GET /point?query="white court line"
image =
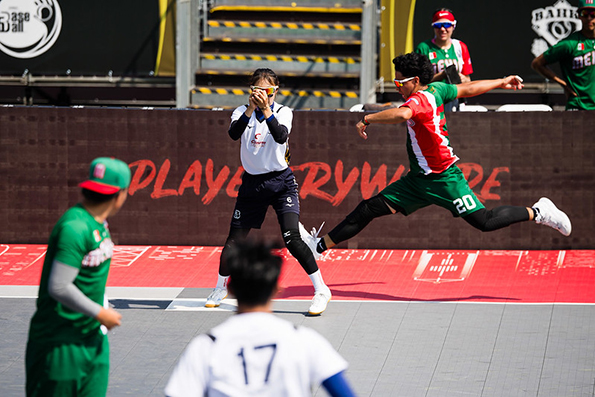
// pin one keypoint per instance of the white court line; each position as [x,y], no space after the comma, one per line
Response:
[197,304]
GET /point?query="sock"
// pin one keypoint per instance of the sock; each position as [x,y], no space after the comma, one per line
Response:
[317,281]
[321,246]
[535,213]
[222,281]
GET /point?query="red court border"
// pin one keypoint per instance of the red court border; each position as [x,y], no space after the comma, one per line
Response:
[385,275]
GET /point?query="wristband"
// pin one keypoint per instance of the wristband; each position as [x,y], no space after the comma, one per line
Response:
[366,122]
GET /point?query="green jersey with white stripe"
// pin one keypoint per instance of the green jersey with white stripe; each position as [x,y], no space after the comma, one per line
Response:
[77,240]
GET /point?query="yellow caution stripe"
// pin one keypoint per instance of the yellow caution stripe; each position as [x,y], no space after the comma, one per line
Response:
[280,58]
[284,25]
[330,75]
[352,10]
[280,41]
[282,92]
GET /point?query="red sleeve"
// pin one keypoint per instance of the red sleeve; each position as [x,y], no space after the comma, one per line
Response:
[467,67]
[413,103]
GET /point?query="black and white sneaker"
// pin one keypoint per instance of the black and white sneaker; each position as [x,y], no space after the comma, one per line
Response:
[311,239]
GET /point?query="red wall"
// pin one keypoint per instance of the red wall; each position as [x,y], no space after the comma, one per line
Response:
[186,172]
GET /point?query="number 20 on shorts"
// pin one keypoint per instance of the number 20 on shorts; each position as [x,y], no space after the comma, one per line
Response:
[464,203]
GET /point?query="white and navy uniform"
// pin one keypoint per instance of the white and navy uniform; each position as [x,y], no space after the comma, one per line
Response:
[255,354]
[267,179]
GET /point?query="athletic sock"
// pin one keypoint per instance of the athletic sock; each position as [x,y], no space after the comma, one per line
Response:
[535,212]
[317,281]
[222,281]
[321,246]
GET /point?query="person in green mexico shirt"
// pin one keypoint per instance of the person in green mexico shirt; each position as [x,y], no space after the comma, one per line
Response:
[576,55]
[67,348]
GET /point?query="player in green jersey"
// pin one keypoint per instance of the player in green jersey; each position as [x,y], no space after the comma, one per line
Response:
[576,55]
[67,349]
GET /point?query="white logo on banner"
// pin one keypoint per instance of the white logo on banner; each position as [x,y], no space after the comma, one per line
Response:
[552,24]
[28,28]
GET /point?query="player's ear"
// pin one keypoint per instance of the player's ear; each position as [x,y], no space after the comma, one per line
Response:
[276,291]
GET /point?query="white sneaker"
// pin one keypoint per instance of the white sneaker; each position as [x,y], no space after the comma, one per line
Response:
[311,239]
[549,215]
[319,302]
[215,298]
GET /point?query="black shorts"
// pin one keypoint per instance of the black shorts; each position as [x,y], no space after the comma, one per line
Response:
[257,192]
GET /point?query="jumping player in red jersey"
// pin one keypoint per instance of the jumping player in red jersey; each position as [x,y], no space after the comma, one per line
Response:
[433,177]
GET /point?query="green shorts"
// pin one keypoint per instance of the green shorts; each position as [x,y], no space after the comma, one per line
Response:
[68,369]
[448,190]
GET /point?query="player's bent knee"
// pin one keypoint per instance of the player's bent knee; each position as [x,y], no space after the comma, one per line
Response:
[368,210]
[291,238]
[479,219]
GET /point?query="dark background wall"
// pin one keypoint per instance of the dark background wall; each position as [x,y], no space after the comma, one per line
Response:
[186,173]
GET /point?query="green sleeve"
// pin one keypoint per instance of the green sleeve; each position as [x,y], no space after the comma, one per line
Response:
[558,51]
[448,92]
[71,245]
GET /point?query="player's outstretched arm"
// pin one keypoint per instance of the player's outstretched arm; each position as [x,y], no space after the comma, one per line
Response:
[539,64]
[478,87]
[337,386]
[388,116]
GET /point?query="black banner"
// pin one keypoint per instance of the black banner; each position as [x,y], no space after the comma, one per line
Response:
[79,38]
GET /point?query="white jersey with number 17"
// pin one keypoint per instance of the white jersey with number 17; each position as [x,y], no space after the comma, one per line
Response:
[255,354]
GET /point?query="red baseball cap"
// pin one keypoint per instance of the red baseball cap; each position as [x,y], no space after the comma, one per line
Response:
[443,15]
[107,176]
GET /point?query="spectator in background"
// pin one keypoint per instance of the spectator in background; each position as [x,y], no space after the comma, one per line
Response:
[449,57]
[576,55]
[255,353]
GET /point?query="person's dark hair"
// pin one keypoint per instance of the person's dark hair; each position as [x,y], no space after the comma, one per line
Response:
[254,271]
[97,198]
[264,73]
[414,64]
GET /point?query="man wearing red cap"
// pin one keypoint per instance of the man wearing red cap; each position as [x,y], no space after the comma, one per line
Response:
[449,57]
[67,349]
[576,55]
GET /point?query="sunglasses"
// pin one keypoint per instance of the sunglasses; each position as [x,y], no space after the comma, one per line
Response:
[587,14]
[269,90]
[445,25]
[400,83]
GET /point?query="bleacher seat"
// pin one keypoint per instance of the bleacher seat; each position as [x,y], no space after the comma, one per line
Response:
[524,108]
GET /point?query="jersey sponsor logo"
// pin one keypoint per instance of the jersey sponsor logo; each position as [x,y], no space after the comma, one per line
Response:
[99,255]
[442,64]
[552,24]
[584,60]
[256,143]
[29,28]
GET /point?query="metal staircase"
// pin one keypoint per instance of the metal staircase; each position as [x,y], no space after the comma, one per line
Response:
[313,46]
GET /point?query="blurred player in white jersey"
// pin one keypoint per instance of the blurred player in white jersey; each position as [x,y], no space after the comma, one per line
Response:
[255,353]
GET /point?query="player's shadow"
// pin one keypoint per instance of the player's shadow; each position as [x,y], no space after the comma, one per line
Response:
[140,304]
[305,291]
